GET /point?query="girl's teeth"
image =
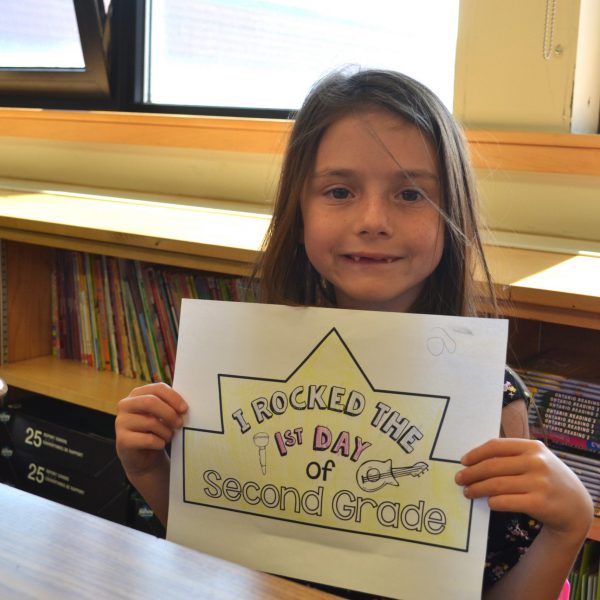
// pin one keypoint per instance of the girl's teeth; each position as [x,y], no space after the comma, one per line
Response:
[387,260]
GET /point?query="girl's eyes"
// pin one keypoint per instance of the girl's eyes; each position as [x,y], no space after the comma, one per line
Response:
[411,195]
[338,193]
[341,193]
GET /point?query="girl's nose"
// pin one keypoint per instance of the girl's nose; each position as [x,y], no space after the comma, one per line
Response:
[373,217]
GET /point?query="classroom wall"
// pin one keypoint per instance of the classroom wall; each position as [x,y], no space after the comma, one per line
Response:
[503,82]
[188,175]
[503,78]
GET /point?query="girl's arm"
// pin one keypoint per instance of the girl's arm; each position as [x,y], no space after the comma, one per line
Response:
[145,423]
[517,474]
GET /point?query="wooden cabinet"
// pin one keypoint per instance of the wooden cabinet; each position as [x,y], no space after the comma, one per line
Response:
[552,299]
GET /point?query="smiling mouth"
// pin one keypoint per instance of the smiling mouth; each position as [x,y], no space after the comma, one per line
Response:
[358,258]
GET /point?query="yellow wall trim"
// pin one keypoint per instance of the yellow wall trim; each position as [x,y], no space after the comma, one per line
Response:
[519,151]
[174,131]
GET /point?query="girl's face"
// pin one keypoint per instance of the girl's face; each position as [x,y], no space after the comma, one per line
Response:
[370,210]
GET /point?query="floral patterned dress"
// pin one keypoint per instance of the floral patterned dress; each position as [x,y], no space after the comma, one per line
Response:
[509,534]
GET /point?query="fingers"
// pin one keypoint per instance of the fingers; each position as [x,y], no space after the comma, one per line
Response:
[491,468]
[147,418]
[513,458]
[517,503]
[521,475]
[149,406]
[500,486]
[143,431]
[134,441]
[157,400]
[498,468]
[163,391]
[500,447]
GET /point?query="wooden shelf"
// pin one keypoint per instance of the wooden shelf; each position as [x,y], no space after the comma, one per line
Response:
[550,287]
[224,241]
[547,286]
[70,381]
[554,287]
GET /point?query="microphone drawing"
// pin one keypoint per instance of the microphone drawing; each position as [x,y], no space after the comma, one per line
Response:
[261,440]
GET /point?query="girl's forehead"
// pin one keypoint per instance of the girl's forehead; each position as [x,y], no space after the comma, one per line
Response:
[372,119]
[376,131]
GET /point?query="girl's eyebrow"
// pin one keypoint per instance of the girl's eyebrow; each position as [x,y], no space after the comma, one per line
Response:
[333,173]
[409,174]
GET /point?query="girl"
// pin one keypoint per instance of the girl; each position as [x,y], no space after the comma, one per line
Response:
[376,209]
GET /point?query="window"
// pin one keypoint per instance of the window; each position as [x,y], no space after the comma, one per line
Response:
[40,35]
[265,54]
[53,48]
[220,57]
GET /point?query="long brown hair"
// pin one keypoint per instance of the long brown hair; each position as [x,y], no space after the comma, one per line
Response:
[287,276]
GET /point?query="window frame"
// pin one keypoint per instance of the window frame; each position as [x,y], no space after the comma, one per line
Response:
[23,86]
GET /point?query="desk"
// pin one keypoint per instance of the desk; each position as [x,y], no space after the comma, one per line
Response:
[49,551]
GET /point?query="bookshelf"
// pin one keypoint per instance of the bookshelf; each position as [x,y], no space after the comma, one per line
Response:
[552,298]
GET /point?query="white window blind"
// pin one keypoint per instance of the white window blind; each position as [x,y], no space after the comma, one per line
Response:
[39,34]
[267,53]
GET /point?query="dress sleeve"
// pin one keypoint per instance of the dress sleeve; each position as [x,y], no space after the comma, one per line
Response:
[509,534]
[514,388]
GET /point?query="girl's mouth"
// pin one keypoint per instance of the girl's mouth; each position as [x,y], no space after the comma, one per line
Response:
[362,258]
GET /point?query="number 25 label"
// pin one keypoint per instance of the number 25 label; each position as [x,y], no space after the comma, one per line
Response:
[36,473]
[33,437]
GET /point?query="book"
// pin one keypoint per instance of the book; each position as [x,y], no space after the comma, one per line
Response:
[155,333]
[163,324]
[563,439]
[83,308]
[148,350]
[110,317]
[167,293]
[101,315]
[120,324]
[122,315]
[136,343]
[92,310]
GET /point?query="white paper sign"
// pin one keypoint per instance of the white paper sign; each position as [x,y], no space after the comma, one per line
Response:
[322,444]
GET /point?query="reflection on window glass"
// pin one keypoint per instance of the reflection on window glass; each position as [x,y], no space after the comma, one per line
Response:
[267,53]
[39,34]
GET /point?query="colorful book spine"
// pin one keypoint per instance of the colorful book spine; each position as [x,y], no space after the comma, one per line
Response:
[148,351]
[122,315]
[70,293]
[163,324]
[92,311]
[129,320]
[167,293]
[101,315]
[155,331]
[110,317]
[137,344]
[54,301]
[564,439]
[84,309]
[120,325]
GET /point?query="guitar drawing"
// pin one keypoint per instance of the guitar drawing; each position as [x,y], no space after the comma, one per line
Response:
[375,474]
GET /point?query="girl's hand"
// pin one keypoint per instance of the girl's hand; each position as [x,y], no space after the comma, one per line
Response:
[145,423]
[522,475]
